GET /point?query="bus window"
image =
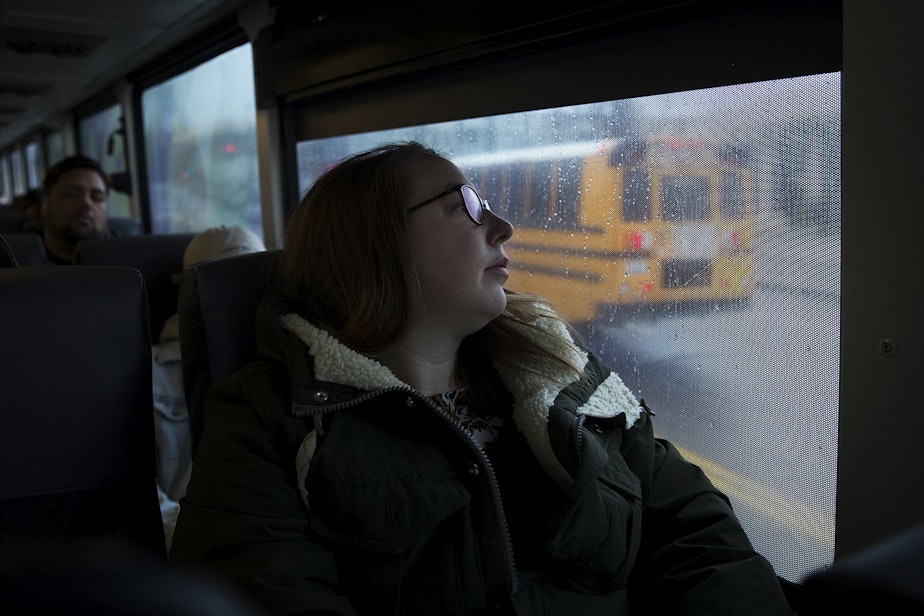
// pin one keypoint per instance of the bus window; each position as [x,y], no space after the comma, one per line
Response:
[567,184]
[201,147]
[96,136]
[55,149]
[684,197]
[18,171]
[517,178]
[35,169]
[6,181]
[636,195]
[732,199]
[678,258]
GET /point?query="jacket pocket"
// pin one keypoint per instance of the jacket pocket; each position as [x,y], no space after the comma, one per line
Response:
[388,515]
[386,535]
[599,537]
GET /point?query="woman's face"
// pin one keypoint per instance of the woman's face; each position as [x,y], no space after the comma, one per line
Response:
[462,266]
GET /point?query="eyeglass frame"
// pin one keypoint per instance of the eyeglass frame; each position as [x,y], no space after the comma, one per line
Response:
[485,206]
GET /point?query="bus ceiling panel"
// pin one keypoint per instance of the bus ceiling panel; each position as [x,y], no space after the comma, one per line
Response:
[314,49]
[706,45]
[54,54]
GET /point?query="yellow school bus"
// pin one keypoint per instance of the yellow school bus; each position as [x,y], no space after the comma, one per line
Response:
[664,219]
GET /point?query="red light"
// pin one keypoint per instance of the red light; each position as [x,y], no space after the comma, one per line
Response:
[674,143]
[636,240]
[230,148]
[649,285]
[736,238]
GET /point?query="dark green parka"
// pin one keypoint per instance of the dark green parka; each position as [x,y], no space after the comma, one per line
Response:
[324,485]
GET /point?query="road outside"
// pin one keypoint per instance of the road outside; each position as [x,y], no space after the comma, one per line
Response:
[750,391]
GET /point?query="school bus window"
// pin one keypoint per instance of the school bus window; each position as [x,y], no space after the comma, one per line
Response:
[732,201]
[6,187]
[568,188]
[636,195]
[490,187]
[522,209]
[687,263]
[200,146]
[18,172]
[684,198]
[689,272]
[538,179]
[54,147]
[35,169]
[101,139]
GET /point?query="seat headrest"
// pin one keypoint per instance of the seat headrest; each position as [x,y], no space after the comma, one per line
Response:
[28,248]
[75,373]
[158,257]
[7,258]
[218,305]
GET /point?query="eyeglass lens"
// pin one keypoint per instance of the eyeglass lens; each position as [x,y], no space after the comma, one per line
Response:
[473,204]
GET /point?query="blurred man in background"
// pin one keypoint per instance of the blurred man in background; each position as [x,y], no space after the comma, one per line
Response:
[75,206]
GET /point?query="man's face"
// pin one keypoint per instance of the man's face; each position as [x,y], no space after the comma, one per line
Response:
[77,206]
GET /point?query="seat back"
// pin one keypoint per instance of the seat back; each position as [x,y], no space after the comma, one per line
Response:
[884,578]
[11,219]
[28,248]
[76,427]
[7,258]
[218,304]
[99,577]
[157,257]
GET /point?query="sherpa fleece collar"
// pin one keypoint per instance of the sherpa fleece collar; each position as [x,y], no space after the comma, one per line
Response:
[533,394]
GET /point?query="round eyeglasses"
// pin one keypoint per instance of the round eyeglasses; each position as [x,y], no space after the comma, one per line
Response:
[475,206]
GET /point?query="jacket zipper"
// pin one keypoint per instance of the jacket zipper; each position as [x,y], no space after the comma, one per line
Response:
[303,410]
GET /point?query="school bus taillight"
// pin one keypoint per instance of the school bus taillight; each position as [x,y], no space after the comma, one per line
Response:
[639,241]
[733,239]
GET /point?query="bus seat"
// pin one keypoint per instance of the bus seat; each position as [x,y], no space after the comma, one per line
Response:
[28,248]
[98,577]
[885,578]
[76,431]
[157,257]
[11,219]
[218,303]
[7,258]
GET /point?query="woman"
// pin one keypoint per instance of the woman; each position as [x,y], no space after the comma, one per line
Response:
[417,440]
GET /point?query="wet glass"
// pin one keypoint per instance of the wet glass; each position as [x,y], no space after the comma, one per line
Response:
[694,239]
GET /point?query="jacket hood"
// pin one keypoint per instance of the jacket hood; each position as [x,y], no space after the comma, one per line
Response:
[533,394]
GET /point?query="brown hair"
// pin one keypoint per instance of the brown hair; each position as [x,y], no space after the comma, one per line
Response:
[347,255]
[347,263]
